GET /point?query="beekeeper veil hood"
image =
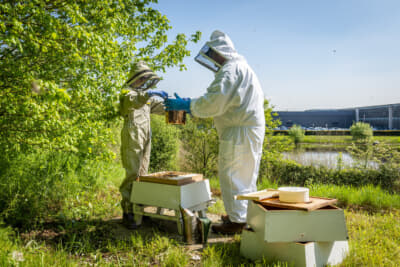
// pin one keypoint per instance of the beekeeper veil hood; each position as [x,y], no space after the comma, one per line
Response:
[141,77]
[217,51]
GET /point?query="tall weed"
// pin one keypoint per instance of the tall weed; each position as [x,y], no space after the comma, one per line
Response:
[36,187]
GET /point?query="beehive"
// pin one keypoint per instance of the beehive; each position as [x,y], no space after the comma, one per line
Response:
[305,238]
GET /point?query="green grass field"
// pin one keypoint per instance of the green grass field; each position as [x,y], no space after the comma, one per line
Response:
[89,234]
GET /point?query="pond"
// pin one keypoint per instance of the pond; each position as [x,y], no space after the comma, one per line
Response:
[328,159]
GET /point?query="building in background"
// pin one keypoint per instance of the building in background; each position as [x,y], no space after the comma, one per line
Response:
[383,117]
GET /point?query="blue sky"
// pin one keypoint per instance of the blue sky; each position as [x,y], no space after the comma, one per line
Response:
[308,54]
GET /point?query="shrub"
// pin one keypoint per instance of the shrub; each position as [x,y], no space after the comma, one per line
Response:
[273,146]
[361,131]
[297,134]
[291,173]
[35,187]
[200,143]
[164,145]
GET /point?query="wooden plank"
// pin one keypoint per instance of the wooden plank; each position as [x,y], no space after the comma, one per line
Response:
[171,178]
[259,195]
[315,203]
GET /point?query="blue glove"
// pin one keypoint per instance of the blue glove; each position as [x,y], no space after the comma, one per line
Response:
[178,104]
[159,93]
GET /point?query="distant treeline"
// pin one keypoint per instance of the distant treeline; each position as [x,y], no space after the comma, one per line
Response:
[341,132]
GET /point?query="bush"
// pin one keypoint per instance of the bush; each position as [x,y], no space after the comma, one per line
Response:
[164,145]
[297,134]
[361,131]
[200,144]
[35,187]
[273,146]
[291,173]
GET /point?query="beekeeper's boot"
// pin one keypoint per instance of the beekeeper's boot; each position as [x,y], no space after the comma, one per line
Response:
[225,218]
[128,220]
[228,228]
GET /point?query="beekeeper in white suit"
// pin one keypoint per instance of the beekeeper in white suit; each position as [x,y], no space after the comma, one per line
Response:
[136,104]
[236,101]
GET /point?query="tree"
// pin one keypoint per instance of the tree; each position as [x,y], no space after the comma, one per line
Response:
[297,134]
[273,146]
[63,63]
[361,131]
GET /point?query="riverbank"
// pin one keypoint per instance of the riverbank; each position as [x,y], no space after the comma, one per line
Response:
[339,143]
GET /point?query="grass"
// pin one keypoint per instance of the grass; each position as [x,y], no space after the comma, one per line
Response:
[374,239]
[86,233]
[136,250]
[339,142]
[346,139]
[369,197]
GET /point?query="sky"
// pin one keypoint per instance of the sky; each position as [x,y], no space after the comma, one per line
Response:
[307,54]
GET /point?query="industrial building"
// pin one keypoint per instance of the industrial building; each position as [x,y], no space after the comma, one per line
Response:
[383,117]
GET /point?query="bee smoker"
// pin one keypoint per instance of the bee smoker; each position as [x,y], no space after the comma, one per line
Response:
[195,229]
[175,117]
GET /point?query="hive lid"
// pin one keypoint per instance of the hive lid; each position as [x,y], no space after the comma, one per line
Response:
[259,195]
[314,203]
[171,178]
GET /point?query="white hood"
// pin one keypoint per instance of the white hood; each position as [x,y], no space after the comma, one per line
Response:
[223,44]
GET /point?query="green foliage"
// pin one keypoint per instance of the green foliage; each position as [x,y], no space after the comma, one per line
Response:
[273,146]
[39,186]
[361,131]
[372,198]
[62,64]
[380,153]
[164,145]
[369,197]
[291,173]
[297,134]
[200,144]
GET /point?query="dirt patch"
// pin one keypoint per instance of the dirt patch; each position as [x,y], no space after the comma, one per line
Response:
[42,235]
[169,229]
[216,192]
[99,233]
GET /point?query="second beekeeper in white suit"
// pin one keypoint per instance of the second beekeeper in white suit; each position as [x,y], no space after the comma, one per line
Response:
[236,101]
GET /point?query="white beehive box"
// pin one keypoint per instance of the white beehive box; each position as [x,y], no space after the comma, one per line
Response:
[171,196]
[309,254]
[283,225]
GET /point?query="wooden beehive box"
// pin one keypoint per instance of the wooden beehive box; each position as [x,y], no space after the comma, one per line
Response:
[307,254]
[171,196]
[284,225]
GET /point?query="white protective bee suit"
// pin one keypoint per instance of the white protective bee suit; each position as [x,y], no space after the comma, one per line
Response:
[236,101]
